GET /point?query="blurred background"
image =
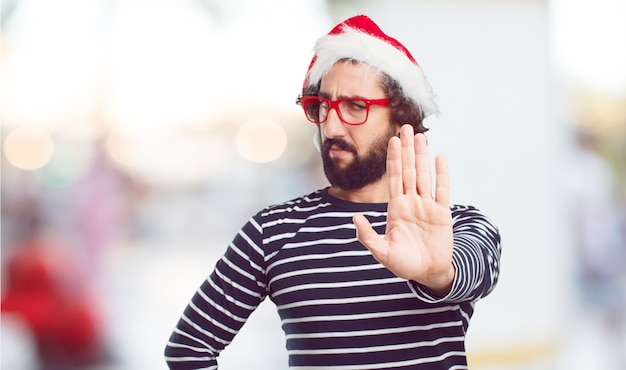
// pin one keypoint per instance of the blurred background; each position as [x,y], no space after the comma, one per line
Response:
[138,136]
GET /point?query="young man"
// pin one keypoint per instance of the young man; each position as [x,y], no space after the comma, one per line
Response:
[376,271]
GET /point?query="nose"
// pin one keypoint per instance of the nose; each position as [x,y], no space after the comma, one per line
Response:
[333,127]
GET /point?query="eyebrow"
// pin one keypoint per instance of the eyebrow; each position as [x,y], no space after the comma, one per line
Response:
[323,95]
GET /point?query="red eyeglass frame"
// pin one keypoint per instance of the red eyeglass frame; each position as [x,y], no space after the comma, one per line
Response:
[334,104]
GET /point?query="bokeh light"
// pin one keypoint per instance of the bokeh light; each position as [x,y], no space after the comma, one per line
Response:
[28,148]
[261,140]
[129,150]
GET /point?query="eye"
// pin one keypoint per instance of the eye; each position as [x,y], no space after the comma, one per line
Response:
[355,105]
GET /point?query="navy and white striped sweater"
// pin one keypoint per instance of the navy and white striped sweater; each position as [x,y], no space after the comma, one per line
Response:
[339,307]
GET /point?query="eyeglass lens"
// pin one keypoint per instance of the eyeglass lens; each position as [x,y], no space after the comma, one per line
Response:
[353,112]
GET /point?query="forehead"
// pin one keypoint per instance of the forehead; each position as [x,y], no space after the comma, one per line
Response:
[351,78]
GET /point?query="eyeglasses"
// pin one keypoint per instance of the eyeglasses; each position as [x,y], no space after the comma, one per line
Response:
[351,111]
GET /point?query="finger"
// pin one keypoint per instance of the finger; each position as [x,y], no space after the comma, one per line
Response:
[408,159]
[422,166]
[394,167]
[442,187]
[369,238]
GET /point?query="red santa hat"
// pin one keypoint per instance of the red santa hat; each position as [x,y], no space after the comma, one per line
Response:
[359,38]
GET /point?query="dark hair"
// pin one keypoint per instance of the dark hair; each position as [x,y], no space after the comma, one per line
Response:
[403,109]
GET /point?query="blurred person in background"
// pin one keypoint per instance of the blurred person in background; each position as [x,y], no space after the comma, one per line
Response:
[598,224]
[375,271]
[54,245]
[45,293]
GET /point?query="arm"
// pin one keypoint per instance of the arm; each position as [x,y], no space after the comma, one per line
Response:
[421,244]
[221,305]
[475,255]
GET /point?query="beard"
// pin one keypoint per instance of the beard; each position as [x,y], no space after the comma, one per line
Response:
[363,170]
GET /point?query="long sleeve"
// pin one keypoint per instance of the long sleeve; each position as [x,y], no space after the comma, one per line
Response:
[339,307]
[221,305]
[476,257]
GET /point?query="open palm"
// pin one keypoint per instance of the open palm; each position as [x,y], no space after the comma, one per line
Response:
[418,240]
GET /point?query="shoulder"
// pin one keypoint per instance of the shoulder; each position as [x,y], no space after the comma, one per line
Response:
[470,217]
[300,207]
[462,211]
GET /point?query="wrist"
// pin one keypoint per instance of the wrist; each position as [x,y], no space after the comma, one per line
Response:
[441,285]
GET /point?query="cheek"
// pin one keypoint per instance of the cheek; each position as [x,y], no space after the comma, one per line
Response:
[366,141]
[380,140]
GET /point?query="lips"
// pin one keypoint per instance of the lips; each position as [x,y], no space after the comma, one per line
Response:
[338,145]
[339,153]
[338,149]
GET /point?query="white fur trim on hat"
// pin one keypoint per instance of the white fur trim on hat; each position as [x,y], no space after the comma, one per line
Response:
[354,44]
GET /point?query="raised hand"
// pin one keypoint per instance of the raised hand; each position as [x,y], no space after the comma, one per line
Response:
[418,240]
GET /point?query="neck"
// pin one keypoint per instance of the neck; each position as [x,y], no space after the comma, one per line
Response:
[376,192]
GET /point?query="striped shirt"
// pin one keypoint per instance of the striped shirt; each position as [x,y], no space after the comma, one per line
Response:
[339,307]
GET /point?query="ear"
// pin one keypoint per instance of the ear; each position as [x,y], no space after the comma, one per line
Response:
[317,141]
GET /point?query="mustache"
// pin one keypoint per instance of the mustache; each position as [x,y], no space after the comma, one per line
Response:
[338,143]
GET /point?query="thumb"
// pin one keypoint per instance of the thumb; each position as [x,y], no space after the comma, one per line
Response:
[368,236]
